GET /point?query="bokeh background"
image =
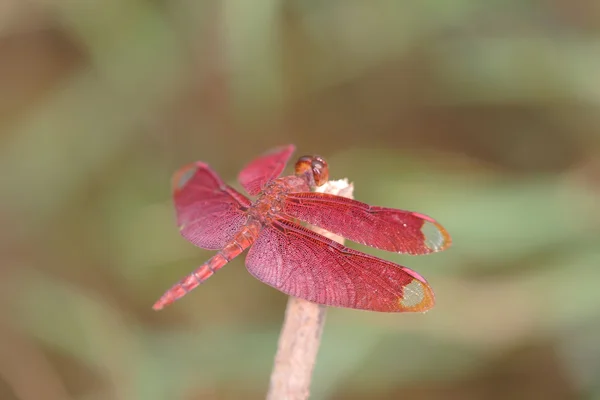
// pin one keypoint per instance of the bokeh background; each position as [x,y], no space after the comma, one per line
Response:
[484,115]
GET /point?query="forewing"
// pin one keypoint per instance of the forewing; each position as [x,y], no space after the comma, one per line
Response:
[307,265]
[265,168]
[209,212]
[384,228]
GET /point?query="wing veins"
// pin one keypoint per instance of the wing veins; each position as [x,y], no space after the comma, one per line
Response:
[347,253]
[384,228]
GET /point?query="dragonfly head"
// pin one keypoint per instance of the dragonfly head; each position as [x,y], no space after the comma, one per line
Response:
[313,169]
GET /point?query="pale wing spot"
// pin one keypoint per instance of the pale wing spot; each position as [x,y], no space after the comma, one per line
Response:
[413,294]
[186,176]
[436,238]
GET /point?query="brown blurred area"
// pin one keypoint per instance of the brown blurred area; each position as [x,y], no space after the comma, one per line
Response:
[484,115]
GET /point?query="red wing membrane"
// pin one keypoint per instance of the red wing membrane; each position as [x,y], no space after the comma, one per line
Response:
[264,169]
[209,212]
[384,228]
[304,264]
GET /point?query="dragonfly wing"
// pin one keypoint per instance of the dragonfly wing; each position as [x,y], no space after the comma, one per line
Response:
[264,169]
[209,212]
[304,264]
[384,228]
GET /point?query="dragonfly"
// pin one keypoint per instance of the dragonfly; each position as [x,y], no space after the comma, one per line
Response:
[288,255]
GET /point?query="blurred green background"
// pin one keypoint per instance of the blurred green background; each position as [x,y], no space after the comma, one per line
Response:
[484,115]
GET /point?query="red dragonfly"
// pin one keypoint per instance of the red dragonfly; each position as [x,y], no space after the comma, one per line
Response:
[291,258]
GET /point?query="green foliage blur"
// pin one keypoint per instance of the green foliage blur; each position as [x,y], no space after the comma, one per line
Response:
[484,115]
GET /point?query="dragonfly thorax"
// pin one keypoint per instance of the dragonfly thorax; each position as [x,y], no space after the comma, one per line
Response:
[270,201]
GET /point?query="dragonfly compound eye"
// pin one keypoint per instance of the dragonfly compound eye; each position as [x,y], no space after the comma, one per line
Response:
[313,168]
[320,170]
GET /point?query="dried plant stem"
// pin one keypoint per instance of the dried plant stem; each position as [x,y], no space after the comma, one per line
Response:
[301,332]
